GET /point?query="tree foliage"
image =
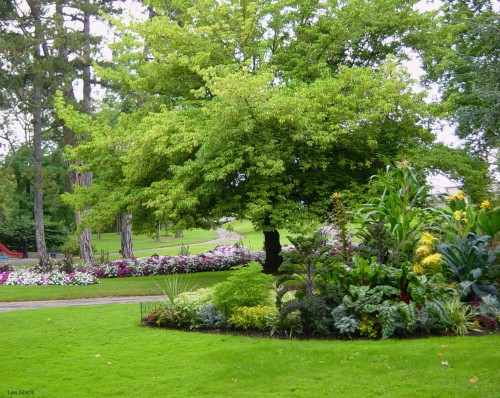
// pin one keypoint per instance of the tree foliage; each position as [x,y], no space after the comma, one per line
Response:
[465,60]
[263,109]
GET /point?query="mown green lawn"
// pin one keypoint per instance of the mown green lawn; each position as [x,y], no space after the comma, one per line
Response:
[103,352]
[134,286]
[193,240]
[110,242]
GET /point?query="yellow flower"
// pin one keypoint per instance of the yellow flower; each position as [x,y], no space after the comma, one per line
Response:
[458,215]
[423,250]
[336,196]
[459,195]
[485,205]
[427,239]
[418,269]
[432,260]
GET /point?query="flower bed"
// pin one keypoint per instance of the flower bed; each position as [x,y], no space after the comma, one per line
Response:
[222,257]
[31,278]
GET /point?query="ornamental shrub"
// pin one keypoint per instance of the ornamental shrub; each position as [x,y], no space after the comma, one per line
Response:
[256,318]
[249,287]
[209,317]
[12,232]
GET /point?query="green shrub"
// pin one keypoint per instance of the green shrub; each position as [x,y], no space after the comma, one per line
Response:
[367,327]
[12,232]
[248,287]
[253,317]
[209,317]
[288,324]
[72,248]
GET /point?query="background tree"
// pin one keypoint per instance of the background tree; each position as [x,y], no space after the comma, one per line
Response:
[464,59]
[60,32]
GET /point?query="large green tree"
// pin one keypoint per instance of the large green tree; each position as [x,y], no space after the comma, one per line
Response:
[464,59]
[261,109]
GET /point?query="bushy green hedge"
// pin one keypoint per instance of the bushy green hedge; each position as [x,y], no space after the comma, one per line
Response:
[12,232]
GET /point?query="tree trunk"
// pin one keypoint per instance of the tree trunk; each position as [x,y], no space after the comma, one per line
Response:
[179,234]
[158,230]
[43,255]
[85,241]
[85,179]
[272,246]
[127,249]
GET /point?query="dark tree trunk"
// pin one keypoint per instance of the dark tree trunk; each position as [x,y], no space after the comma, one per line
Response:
[127,249]
[272,246]
[43,254]
[158,230]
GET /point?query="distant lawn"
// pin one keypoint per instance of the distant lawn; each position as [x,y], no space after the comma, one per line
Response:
[254,240]
[194,239]
[110,242]
[87,352]
[195,248]
[134,286]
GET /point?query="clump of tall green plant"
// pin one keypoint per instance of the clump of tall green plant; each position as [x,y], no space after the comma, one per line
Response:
[173,285]
[402,207]
[306,271]
[461,316]
[248,286]
[341,217]
[462,217]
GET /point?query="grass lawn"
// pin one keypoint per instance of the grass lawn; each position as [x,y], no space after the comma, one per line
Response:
[134,286]
[110,242]
[102,351]
[254,240]
[168,245]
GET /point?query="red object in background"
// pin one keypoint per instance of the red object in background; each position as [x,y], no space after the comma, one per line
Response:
[9,252]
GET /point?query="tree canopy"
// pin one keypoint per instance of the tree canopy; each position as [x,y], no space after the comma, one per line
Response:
[464,59]
[262,109]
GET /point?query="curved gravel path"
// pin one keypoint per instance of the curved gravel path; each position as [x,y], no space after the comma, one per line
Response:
[33,305]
